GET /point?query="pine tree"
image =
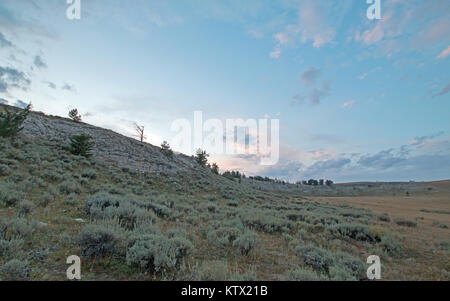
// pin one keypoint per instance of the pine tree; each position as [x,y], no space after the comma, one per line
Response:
[81,145]
[215,168]
[73,114]
[165,148]
[201,157]
[11,123]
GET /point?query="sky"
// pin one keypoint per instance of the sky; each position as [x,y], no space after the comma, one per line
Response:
[356,99]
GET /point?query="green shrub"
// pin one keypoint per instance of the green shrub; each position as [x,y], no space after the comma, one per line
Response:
[347,267]
[160,210]
[157,252]
[249,275]
[69,186]
[223,236]
[384,218]
[176,233]
[10,248]
[264,222]
[317,258]
[233,203]
[81,145]
[300,274]
[355,231]
[17,228]
[100,201]
[128,215]
[105,206]
[25,207]
[246,242]
[98,240]
[403,222]
[212,271]
[338,266]
[10,194]
[5,170]
[390,245]
[51,176]
[16,270]
[89,173]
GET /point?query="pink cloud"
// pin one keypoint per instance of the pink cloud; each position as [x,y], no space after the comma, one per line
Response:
[444,53]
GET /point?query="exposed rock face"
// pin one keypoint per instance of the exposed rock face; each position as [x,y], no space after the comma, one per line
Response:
[109,146]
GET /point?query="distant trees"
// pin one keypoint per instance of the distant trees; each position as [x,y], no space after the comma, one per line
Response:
[201,157]
[140,132]
[232,175]
[73,114]
[166,150]
[11,123]
[81,145]
[313,182]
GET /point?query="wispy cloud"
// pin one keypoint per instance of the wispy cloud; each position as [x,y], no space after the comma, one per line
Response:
[316,94]
[69,87]
[51,85]
[310,75]
[13,78]
[444,53]
[443,91]
[39,62]
[348,104]
[4,43]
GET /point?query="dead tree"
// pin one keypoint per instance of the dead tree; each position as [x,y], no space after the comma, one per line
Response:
[139,132]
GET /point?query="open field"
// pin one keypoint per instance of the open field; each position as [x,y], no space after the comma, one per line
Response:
[431,211]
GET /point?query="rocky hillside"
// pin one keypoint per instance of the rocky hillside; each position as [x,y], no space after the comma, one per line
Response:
[109,146]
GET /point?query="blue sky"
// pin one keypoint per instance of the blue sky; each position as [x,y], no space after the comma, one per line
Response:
[357,99]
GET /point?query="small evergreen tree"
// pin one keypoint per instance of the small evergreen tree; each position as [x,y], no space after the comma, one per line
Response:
[165,148]
[81,145]
[73,114]
[329,183]
[201,157]
[215,168]
[11,123]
